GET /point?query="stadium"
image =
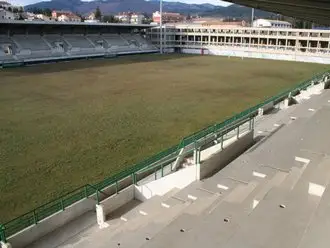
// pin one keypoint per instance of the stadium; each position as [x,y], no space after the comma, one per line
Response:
[117,135]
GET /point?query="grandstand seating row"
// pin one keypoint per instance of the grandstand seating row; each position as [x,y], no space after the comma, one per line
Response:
[30,47]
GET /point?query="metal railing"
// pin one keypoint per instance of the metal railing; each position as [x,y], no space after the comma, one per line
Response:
[60,204]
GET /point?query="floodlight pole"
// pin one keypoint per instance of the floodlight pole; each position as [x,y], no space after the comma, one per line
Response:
[161,25]
[252,17]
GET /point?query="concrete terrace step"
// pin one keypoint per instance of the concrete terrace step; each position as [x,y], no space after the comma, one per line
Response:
[245,170]
[135,234]
[191,230]
[150,207]
[317,233]
[282,216]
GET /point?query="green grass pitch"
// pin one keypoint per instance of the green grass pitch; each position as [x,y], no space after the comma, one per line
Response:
[66,124]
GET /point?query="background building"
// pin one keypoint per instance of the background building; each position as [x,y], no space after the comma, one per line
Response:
[65,16]
[167,17]
[7,15]
[130,17]
[137,19]
[124,17]
[264,23]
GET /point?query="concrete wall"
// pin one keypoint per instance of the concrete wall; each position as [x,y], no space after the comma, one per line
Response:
[112,203]
[179,179]
[35,232]
[259,54]
[219,160]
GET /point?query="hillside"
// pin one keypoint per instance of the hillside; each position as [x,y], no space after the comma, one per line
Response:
[115,6]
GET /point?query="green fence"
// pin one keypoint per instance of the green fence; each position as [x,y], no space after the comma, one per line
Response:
[60,204]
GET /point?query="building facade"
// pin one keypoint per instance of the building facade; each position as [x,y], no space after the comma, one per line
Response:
[137,19]
[124,17]
[167,17]
[264,23]
[288,44]
[65,16]
[7,15]
[12,8]
[130,17]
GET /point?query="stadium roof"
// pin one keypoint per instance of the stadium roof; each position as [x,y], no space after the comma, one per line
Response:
[19,22]
[317,11]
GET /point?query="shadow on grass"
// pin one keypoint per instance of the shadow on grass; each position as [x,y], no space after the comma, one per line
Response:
[89,63]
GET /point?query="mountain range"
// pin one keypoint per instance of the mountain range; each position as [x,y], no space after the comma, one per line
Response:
[142,6]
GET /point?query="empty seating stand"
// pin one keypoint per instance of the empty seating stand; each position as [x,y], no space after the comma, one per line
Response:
[7,49]
[29,48]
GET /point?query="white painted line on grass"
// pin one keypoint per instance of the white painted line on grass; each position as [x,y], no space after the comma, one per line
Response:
[316,189]
[257,174]
[224,187]
[191,197]
[143,213]
[165,205]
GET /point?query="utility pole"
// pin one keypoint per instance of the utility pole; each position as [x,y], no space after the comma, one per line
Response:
[161,26]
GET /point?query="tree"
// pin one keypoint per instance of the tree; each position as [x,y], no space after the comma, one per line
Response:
[110,19]
[47,12]
[98,14]
[147,20]
[81,17]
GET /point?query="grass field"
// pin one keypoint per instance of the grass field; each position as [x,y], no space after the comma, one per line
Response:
[63,125]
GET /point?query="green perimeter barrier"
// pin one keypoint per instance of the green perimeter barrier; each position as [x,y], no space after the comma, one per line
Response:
[60,204]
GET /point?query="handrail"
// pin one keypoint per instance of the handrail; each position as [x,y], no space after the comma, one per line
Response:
[59,204]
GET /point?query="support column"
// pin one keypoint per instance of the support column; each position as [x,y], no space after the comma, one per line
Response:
[197,160]
[100,215]
[5,245]
[178,160]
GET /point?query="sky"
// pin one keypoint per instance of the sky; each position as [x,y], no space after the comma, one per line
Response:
[215,2]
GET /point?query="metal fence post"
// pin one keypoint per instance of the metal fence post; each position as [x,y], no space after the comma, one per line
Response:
[35,217]
[3,234]
[62,204]
[237,132]
[222,142]
[86,195]
[134,178]
[162,170]
[97,197]
[117,188]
